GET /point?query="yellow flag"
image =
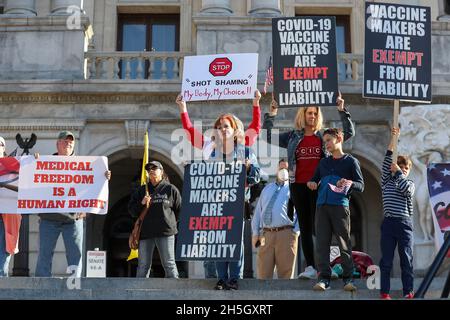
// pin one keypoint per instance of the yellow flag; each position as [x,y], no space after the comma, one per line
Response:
[134,254]
[144,161]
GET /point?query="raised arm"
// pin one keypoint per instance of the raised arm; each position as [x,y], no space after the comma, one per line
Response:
[251,134]
[195,137]
[387,162]
[347,124]
[269,118]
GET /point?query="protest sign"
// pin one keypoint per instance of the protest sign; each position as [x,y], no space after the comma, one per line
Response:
[304,61]
[397,58]
[220,77]
[211,219]
[62,184]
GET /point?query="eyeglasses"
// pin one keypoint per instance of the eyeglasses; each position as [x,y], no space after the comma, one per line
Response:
[153,168]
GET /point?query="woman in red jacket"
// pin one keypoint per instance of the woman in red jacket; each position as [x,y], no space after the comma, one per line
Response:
[197,138]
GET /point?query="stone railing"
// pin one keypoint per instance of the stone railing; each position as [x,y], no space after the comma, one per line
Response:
[135,65]
[350,67]
[167,66]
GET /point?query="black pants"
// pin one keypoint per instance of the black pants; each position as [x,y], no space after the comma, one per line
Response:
[304,201]
[333,220]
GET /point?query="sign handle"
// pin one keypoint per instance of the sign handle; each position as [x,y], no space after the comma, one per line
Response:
[395,125]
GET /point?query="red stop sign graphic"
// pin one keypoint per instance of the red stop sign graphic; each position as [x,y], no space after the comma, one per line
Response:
[220,67]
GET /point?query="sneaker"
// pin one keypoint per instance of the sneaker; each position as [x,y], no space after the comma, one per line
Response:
[385,296]
[322,285]
[349,285]
[232,284]
[309,273]
[334,275]
[409,295]
[221,285]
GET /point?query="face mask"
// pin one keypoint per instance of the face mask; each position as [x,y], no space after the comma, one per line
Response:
[283,175]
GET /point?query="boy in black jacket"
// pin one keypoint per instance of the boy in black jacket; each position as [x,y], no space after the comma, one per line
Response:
[338,175]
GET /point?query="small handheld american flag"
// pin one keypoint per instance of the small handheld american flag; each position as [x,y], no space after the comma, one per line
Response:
[269,76]
[343,188]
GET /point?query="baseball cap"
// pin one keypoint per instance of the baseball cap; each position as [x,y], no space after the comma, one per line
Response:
[152,164]
[2,141]
[65,134]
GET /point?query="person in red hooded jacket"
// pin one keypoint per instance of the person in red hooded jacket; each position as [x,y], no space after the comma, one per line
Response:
[9,226]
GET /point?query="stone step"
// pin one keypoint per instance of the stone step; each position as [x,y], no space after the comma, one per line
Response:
[192,294]
[189,289]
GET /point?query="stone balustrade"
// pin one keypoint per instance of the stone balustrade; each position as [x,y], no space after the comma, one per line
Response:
[131,65]
[135,65]
[352,65]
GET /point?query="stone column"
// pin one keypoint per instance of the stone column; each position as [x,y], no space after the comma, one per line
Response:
[444,11]
[265,8]
[216,7]
[59,7]
[20,7]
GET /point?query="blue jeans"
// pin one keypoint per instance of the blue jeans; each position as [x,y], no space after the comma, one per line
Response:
[210,269]
[166,249]
[231,270]
[73,242]
[5,257]
[397,231]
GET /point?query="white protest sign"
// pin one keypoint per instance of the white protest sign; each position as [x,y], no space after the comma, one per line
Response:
[96,264]
[220,77]
[63,184]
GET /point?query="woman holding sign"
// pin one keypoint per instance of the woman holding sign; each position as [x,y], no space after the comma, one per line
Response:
[197,139]
[228,143]
[305,147]
[9,223]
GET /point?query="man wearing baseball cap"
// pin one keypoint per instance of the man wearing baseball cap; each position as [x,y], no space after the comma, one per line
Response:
[51,225]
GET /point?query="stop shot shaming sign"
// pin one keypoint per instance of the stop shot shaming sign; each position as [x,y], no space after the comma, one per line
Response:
[63,184]
[304,61]
[220,77]
[397,59]
[212,211]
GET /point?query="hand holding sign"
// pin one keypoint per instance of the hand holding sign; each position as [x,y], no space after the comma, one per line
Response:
[181,103]
[395,133]
[257,98]
[273,107]
[340,102]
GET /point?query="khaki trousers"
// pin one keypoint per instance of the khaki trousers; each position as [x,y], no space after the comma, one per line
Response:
[280,251]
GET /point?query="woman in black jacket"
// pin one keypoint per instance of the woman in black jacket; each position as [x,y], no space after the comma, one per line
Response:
[160,223]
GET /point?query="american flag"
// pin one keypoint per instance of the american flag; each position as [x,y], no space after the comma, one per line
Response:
[269,76]
[438,175]
[342,189]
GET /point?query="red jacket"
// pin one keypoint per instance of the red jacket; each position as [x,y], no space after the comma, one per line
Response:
[12,227]
[361,262]
[197,139]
